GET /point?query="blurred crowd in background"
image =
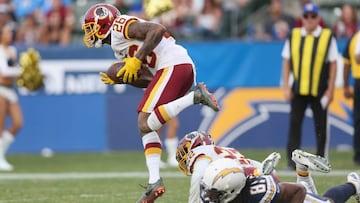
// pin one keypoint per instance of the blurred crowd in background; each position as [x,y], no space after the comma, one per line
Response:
[47,22]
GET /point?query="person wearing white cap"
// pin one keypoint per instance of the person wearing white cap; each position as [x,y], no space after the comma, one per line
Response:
[309,56]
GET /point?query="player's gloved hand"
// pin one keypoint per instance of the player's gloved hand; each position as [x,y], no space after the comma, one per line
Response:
[106,79]
[130,69]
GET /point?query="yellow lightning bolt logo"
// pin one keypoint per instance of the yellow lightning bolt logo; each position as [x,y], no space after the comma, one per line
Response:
[226,172]
[237,107]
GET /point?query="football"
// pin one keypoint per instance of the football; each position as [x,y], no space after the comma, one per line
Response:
[144,75]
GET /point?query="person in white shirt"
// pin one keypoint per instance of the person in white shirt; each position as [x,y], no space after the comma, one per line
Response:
[309,56]
[10,106]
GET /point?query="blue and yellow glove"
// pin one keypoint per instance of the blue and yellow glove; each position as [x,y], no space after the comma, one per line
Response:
[106,79]
[130,69]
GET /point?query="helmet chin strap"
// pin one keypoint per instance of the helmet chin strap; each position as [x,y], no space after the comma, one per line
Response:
[98,43]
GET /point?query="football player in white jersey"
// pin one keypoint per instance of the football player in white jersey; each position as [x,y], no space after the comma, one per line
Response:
[225,181]
[138,42]
[197,150]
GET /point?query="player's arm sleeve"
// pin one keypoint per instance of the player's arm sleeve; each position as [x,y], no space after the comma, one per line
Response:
[333,50]
[126,27]
[199,169]
[286,50]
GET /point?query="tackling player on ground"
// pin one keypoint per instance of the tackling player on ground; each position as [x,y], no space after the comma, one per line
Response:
[197,150]
[138,42]
[226,182]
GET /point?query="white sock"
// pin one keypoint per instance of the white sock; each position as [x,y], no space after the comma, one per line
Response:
[5,141]
[170,110]
[309,181]
[153,165]
[303,174]
[152,155]
[171,147]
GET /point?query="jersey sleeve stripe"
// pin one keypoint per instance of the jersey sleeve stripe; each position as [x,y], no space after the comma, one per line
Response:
[200,156]
[126,27]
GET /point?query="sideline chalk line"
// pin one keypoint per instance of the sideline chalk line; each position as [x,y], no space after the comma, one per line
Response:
[140,174]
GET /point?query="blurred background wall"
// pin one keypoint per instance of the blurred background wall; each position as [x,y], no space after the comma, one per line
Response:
[76,112]
[239,58]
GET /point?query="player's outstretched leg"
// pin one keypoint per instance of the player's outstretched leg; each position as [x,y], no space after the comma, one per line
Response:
[354,179]
[311,161]
[203,96]
[152,192]
[270,162]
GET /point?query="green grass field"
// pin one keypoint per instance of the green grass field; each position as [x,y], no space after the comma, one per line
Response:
[115,177]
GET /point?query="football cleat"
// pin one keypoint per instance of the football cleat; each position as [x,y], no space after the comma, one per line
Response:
[153,191]
[270,162]
[203,96]
[311,161]
[354,179]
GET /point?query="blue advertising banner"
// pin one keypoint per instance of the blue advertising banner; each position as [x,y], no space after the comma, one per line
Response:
[76,112]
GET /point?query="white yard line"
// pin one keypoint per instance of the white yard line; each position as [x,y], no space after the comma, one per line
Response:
[97,175]
[82,175]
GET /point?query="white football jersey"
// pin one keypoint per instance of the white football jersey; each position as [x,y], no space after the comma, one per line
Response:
[214,152]
[167,53]
[200,157]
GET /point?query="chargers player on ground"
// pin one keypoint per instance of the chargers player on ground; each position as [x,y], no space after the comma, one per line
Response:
[225,181]
[197,150]
[136,42]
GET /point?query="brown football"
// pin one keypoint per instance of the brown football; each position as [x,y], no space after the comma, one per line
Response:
[144,75]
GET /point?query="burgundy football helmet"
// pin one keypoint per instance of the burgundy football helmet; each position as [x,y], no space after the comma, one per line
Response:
[189,142]
[97,23]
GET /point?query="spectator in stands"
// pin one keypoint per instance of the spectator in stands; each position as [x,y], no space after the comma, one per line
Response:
[6,5]
[122,6]
[6,15]
[25,7]
[187,11]
[278,25]
[47,6]
[9,103]
[208,21]
[58,24]
[28,32]
[136,9]
[299,21]
[178,21]
[234,14]
[347,25]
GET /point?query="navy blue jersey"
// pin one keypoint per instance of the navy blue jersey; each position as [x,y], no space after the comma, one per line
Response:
[262,189]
